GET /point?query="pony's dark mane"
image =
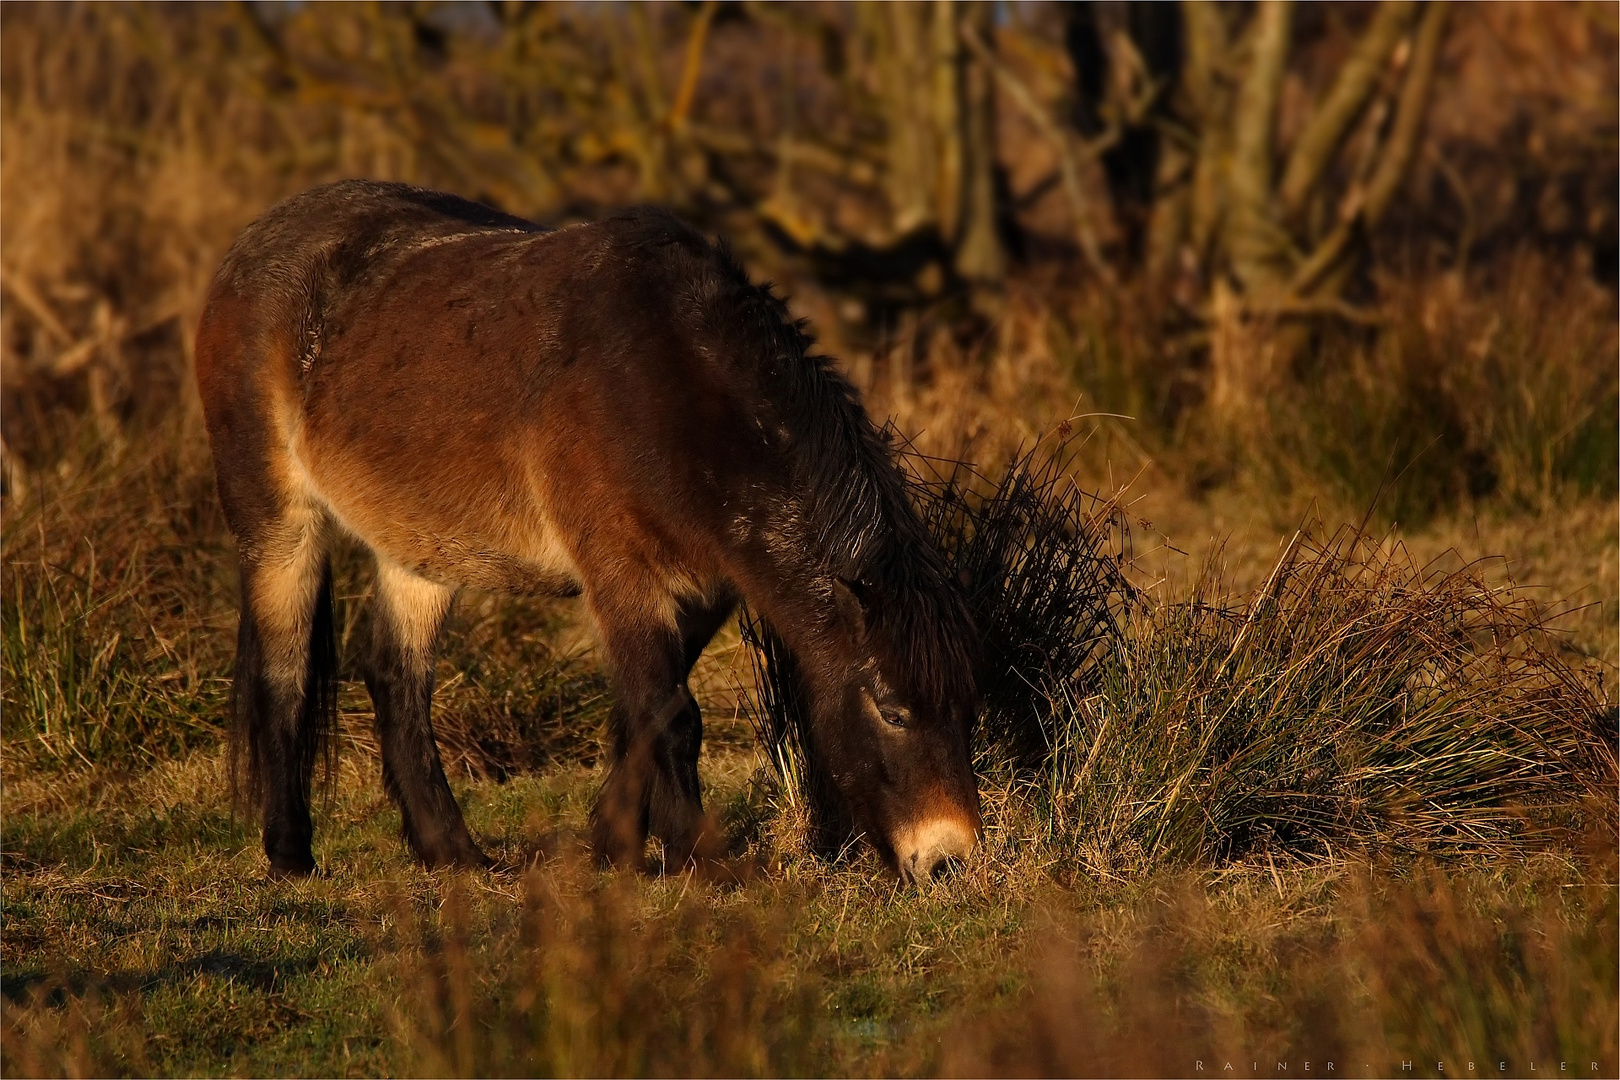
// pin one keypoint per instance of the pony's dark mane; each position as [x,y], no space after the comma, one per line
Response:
[853,511]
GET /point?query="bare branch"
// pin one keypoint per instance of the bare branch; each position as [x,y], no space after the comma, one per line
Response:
[1364,209]
[1409,113]
[979,256]
[1206,44]
[1253,244]
[692,65]
[1459,188]
[1316,308]
[30,298]
[1315,269]
[1068,165]
[646,58]
[1336,115]
[796,151]
[1206,95]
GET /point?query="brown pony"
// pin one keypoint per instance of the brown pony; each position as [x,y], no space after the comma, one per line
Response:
[610,410]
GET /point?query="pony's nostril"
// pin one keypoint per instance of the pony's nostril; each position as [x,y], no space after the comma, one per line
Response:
[934,866]
[935,850]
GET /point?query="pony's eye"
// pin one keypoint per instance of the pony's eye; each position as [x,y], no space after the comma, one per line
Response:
[895,717]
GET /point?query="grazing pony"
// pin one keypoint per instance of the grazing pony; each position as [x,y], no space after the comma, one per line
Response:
[609,410]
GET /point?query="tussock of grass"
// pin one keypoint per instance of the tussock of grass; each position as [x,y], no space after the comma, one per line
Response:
[76,696]
[1356,700]
[1043,562]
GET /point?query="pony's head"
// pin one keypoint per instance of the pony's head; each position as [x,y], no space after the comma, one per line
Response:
[890,718]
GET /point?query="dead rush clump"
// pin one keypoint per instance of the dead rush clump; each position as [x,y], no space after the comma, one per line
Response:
[1043,563]
[1356,701]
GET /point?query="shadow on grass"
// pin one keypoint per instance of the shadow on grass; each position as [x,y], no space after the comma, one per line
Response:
[44,987]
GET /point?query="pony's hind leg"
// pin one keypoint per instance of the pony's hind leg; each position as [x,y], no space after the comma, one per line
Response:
[405,628]
[283,694]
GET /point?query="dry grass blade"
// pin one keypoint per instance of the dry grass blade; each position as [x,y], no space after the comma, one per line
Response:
[586,987]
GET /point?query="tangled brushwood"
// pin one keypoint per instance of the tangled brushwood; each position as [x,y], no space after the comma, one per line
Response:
[1356,699]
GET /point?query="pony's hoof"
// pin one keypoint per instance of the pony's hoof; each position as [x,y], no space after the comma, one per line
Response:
[290,866]
[462,857]
[618,857]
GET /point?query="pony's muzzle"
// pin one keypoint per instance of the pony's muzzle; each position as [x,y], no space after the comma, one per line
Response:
[931,849]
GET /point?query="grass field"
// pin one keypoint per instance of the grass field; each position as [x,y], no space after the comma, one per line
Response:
[141,936]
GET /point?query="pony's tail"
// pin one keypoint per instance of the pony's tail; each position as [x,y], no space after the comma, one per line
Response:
[256,747]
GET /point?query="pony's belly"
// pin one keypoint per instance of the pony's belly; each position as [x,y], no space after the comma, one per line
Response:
[455,562]
[531,563]
[455,538]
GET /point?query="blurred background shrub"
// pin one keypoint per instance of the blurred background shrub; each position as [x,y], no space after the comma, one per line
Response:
[1325,244]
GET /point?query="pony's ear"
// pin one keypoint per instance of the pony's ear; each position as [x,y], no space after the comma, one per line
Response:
[856,604]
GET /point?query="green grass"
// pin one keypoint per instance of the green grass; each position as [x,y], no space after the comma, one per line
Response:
[115,627]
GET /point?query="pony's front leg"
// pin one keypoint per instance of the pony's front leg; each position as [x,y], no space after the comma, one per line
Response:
[410,612]
[652,781]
